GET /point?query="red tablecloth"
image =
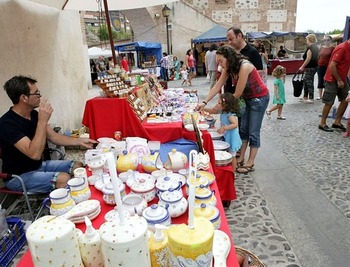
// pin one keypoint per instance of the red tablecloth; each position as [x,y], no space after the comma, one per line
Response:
[225,180]
[26,260]
[291,65]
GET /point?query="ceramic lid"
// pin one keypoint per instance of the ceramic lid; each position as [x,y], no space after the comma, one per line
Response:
[108,188]
[142,185]
[155,214]
[171,195]
[133,228]
[164,183]
[96,161]
[208,175]
[207,211]
[198,180]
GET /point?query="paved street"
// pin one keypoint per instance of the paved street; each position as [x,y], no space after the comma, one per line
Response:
[294,209]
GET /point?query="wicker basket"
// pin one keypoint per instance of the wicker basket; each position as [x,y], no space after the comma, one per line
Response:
[254,259]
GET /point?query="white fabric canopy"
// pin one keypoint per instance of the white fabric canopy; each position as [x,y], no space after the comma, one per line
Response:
[92,5]
[95,52]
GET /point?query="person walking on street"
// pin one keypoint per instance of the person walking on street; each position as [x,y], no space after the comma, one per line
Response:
[324,56]
[279,96]
[210,64]
[190,64]
[309,67]
[336,85]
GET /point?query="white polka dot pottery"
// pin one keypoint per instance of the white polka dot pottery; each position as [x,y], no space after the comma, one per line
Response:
[199,180]
[205,195]
[156,214]
[167,182]
[176,160]
[210,212]
[96,164]
[151,162]
[208,175]
[125,244]
[108,193]
[127,161]
[53,241]
[79,189]
[145,188]
[191,247]
[177,204]
[134,204]
[61,201]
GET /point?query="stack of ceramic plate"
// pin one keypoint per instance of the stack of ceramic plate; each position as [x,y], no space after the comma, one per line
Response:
[222,158]
[220,145]
[90,208]
[214,134]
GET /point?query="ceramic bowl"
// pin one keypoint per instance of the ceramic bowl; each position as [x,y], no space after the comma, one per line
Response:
[189,127]
[203,126]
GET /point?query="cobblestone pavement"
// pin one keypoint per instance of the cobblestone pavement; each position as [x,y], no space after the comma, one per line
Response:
[320,157]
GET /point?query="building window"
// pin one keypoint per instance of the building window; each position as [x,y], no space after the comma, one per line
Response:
[221,2]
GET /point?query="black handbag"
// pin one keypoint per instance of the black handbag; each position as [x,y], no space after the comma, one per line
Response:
[298,84]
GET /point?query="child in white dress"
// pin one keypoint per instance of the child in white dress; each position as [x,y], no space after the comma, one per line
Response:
[184,75]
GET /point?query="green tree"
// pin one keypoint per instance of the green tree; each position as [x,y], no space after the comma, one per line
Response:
[336,31]
[104,36]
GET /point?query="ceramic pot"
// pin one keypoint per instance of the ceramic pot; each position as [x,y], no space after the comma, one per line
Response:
[198,181]
[156,214]
[174,200]
[168,182]
[79,189]
[144,188]
[127,161]
[176,160]
[205,195]
[151,162]
[125,244]
[108,193]
[134,204]
[53,241]
[210,212]
[191,247]
[61,201]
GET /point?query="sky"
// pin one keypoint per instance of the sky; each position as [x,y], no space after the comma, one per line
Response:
[321,15]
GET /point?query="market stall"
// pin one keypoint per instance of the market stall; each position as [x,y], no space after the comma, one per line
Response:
[148,54]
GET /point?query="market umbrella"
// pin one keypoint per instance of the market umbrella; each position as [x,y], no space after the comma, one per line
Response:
[96,5]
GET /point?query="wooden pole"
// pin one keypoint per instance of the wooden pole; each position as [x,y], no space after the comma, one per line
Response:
[108,21]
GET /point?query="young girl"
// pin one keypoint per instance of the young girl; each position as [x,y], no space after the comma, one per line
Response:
[279,97]
[229,123]
[184,75]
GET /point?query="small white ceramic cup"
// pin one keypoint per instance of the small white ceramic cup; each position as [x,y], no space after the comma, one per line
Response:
[80,172]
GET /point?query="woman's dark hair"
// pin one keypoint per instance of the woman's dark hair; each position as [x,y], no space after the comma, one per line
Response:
[213,47]
[229,103]
[17,86]
[233,58]
[188,52]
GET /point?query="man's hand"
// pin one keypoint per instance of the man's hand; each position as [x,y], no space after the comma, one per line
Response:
[86,142]
[45,111]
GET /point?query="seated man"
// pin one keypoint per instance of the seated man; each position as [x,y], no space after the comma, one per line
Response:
[23,136]
[282,53]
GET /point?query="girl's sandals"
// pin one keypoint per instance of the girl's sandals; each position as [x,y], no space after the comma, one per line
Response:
[240,164]
[245,169]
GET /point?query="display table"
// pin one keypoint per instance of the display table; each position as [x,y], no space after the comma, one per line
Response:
[26,260]
[225,180]
[291,65]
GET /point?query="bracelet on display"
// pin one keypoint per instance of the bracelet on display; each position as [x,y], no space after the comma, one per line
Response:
[205,103]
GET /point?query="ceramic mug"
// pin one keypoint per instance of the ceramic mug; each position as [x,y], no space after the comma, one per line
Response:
[79,189]
[61,201]
[80,172]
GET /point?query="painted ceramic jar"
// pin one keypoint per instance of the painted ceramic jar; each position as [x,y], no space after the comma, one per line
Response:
[53,241]
[144,188]
[108,193]
[134,204]
[176,160]
[174,200]
[61,201]
[210,212]
[156,214]
[127,161]
[191,247]
[125,244]
[151,162]
[205,195]
[79,189]
[198,181]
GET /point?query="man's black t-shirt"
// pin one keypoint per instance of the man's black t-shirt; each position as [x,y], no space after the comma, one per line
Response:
[13,128]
